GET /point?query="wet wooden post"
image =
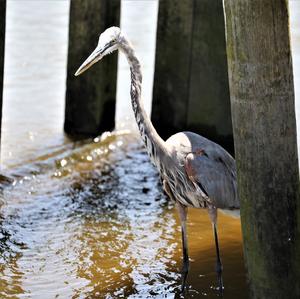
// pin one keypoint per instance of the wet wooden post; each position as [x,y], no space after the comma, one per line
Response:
[90,98]
[191,90]
[2,44]
[263,109]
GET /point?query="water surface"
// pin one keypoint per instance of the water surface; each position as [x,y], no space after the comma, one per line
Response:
[93,222]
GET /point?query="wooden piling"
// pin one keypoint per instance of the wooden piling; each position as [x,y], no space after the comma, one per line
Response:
[263,110]
[2,44]
[191,90]
[90,98]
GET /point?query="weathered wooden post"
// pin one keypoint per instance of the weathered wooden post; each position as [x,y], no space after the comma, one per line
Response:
[90,99]
[2,43]
[263,110]
[191,90]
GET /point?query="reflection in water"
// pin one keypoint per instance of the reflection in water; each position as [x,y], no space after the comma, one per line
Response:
[92,222]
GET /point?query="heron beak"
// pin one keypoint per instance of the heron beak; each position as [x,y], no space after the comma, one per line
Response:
[92,59]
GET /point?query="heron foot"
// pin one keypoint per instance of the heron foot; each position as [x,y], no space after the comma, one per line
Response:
[219,270]
[184,274]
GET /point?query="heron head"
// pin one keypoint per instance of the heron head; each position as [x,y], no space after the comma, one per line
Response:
[108,42]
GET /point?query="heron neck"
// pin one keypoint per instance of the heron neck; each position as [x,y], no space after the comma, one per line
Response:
[155,145]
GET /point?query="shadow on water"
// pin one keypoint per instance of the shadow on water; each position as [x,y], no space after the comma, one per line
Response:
[91,221]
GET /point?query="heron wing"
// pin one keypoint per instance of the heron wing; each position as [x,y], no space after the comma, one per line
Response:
[215,175]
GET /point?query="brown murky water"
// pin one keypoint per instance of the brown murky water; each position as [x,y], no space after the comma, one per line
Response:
[91,221]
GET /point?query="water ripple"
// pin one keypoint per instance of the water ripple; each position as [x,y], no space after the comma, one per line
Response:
[92,222]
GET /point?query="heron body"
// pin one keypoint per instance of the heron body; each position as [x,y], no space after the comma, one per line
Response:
[196,172]
[208,171]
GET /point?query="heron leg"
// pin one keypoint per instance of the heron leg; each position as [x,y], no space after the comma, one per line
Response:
[219,268]
[185,267]
[182,215]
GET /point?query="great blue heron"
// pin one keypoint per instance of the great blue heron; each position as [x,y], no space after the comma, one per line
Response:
[196,172]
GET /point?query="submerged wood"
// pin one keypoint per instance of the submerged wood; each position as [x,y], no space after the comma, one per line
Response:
[263,110]
[90,101]
[191,90]
[2,43]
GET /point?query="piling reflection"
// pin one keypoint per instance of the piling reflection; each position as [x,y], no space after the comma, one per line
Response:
[91,221]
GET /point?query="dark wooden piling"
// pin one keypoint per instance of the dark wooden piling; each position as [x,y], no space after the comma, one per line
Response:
[191,90]
[263,110]
[2,44]
[90,98]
